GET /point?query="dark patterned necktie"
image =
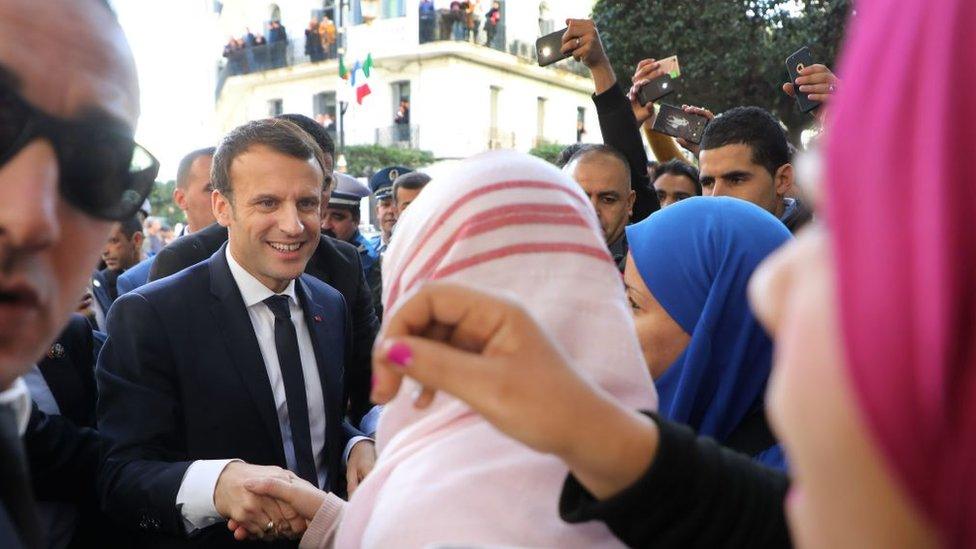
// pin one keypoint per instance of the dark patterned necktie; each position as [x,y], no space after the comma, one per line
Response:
[15,489]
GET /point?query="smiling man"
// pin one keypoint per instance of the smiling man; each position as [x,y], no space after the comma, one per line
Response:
[248,381]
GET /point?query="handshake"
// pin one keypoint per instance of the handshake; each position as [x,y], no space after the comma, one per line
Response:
[265,502]
[268,502]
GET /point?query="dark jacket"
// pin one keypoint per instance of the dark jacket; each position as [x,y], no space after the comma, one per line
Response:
[620,131]
[334,262]
[181,378]
[695,494]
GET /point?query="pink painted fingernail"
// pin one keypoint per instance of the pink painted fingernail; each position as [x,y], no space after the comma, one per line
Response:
[400,354]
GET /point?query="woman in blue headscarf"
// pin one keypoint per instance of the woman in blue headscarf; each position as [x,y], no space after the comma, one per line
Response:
[686,276]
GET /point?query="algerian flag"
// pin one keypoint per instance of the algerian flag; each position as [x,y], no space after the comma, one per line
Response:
[368,65]
[343,73]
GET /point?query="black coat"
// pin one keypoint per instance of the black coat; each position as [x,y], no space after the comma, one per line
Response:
[181,378]
[334,262]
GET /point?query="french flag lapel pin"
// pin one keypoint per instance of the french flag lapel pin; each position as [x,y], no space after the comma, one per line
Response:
[317,318]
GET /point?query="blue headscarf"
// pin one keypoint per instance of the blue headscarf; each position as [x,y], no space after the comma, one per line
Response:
[696,258]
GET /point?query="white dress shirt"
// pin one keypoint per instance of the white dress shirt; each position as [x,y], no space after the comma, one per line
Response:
[195,497]
[17,396]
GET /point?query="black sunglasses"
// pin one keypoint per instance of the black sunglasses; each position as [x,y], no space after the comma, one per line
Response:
[104,173]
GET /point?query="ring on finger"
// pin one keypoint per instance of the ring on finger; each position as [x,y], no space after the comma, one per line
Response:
[578,42]
[270,526]
[832,88]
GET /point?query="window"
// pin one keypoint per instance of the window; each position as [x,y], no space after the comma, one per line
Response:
[324,111]
[275,107]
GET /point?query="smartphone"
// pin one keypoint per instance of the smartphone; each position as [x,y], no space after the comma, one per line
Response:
[661,86]
[547,48]
[678,123]
[794,64]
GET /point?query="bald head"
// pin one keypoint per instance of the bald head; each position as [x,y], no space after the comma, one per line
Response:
[69,58]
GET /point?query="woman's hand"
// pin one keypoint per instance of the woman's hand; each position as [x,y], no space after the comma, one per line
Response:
[490,353]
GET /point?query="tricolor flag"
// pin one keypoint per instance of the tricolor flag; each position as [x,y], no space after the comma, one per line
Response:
[362,90]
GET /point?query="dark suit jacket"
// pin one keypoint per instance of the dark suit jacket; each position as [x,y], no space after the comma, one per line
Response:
[104,288]
[64,451]
[334,262]
[181,378]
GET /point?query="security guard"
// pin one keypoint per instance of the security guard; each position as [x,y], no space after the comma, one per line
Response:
[340,219]
[386,212]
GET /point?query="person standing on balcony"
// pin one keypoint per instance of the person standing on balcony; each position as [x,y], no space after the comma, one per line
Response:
[427,16]
[401,122]
[327,34]
[313,42]
[492,18]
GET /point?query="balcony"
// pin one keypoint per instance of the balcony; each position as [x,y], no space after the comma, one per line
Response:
[275,55]
[402,136]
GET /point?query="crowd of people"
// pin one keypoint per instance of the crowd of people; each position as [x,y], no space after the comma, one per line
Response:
[741,343]
[459,21]
[255,52]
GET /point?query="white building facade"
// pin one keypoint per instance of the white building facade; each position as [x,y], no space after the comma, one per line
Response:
[463,97]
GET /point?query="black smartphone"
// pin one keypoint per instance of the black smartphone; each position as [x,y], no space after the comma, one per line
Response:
[547,48]
[794,64]
[678,123]
[661,86]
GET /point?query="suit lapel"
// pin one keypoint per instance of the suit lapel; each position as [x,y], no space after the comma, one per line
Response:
[230,315]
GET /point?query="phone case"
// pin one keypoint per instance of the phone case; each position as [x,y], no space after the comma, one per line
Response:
[661,86]
[678,123]
[801,58]
[547,48]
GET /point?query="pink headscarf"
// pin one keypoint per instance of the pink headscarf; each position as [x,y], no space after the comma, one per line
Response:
[902,210]
[502,221]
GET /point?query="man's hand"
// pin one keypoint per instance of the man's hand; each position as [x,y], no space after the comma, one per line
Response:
[261,517]
[362,458]
[816,80]
[647,70]
[582,41]
[694,148]
[296,493]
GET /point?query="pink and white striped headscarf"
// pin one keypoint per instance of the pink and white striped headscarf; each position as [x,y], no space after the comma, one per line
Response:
[508,222]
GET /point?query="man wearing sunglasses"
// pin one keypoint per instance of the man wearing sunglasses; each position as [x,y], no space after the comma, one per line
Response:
[68,170]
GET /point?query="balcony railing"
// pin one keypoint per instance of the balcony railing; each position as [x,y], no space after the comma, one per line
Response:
[294,51]
[403,136]
[500,139]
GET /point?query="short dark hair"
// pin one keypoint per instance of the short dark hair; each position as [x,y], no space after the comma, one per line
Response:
[314,129]
[754,127]
[681,169]
[411,181]
[564,155]
[277,134]
[183,171]
[130,226]
[606,150]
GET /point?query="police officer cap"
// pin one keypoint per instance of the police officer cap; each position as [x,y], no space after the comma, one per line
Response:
[382,181]
[348,192]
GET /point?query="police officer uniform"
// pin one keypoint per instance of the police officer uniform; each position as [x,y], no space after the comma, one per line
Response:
[347,195]
[381,184]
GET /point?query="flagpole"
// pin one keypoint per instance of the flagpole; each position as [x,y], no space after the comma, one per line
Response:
[343,105]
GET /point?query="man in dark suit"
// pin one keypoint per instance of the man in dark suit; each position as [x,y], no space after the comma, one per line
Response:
[63,449]
[192,195]
[65,175]
[231,369]
[334,262]
[122,252]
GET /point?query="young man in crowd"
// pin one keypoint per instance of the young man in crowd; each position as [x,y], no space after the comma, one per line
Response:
[675,181]
[254,334]
[192,195]
[122,252]
[407,188]
[745,154]
[604,175]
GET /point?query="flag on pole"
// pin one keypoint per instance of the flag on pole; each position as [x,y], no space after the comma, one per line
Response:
[368,65]
[362,92]
[343,73]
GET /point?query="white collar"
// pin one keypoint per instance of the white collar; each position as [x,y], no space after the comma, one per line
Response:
[252,290]
[18,397]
